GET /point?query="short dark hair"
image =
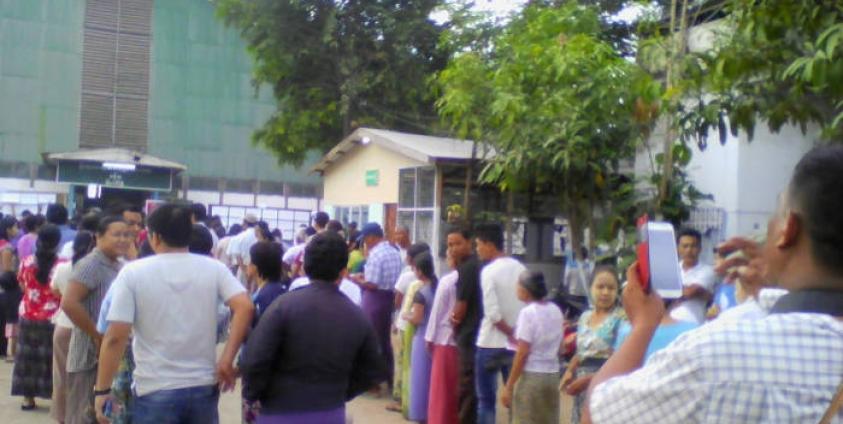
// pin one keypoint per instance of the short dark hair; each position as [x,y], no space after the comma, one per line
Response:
[56,214]
[816,193]
[266,257]
[120,208]
[106,221]
[235,229]
[89,222]
[30,223]
[334,225]
[321,219]
[416,249]
[325,256]
[200,213]
[490,233]
[6,222]
[172,223]
[462,230]
[689,232]
[533,282]
[201,241]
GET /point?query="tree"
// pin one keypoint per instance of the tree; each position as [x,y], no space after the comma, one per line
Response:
[558,105]
[776,62]
[335,65]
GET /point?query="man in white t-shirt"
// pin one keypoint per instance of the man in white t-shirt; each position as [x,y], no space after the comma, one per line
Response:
[238,247]
[168,302]
[501,306]
[698,279]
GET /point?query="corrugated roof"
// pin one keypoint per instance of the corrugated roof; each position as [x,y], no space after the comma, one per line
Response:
[424,148]
[116,155]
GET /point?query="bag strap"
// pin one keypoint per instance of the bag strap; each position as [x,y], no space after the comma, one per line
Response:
[836,403]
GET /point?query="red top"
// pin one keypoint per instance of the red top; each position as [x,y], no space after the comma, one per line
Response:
[39,303]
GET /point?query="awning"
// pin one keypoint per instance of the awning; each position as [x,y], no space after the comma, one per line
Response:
[116,168]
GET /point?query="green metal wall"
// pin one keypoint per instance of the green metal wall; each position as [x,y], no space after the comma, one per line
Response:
[40,77]
[203,107]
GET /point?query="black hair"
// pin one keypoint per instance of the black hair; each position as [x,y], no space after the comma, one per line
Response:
[817,196]
[145,250]
[6,222]
[263,227]
[276,233]
[416,249]
[89,222]
[352,224]
[325,256]
[533,282]
[201,241]
[462,230]
[321,219]
[46,253]
[266,257]
[309,231]
[689,232]
[424,264]
[490,233]
[83,243]
[172,223]
[24,214]
[56,214]
[30,223]
[334,225]
[235,229]
[200,213]
[106,221]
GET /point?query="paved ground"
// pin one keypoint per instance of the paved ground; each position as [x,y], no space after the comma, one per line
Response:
[364,410]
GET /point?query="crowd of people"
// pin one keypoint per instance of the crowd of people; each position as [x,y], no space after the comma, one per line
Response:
[127,318]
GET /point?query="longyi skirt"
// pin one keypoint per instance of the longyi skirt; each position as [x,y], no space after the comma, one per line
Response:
[33,372]
[419,377]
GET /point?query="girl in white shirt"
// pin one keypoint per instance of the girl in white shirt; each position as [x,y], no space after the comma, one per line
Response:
[532,388]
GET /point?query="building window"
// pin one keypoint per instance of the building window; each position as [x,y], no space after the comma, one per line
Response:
[417,202]
[286,220]
[349,214]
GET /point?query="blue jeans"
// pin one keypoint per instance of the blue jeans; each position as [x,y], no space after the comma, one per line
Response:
[191,405]
[488,363]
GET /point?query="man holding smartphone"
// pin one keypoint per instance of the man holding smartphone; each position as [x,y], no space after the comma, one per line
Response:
[786,367]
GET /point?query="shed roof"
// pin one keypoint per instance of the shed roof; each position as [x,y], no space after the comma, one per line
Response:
[116,155]
[424,148]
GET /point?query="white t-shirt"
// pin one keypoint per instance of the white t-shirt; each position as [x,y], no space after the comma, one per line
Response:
[541,325]
[61,276]
[66,251]
[171,301]
[402,285]
[347,287]
[693,310]
[239,246]
[499,282]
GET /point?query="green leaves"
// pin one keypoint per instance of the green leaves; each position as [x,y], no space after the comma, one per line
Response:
[333,66]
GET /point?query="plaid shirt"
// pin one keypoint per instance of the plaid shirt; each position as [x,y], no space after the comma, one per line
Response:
[782,369]
[383,266]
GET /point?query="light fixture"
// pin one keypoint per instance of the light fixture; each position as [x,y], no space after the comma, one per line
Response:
[94,191]
[365,140]
[116,166]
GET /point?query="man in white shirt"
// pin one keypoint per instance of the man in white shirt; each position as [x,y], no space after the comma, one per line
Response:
[238,247]
[495,342]
[784,368]
[168,302]
[698,279]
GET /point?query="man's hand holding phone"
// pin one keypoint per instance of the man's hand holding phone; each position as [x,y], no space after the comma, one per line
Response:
[642,309]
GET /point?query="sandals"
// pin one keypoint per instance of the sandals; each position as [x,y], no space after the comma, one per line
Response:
[27,406]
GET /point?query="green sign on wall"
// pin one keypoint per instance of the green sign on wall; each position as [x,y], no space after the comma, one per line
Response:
[141,178]
[372,177]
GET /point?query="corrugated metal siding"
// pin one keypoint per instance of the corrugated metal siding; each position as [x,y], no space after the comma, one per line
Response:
[115,74]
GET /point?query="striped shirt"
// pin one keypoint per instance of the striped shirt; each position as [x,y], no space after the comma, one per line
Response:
[96,272]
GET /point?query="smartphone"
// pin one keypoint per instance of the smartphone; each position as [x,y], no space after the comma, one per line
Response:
[657,252]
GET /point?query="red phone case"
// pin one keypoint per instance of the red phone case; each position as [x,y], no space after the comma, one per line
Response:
[643,250]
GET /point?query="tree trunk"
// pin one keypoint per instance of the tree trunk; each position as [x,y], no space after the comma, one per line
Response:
[510,210]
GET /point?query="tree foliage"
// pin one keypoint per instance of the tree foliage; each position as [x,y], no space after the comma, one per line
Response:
[334,65]
[558,104]
[777,62]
